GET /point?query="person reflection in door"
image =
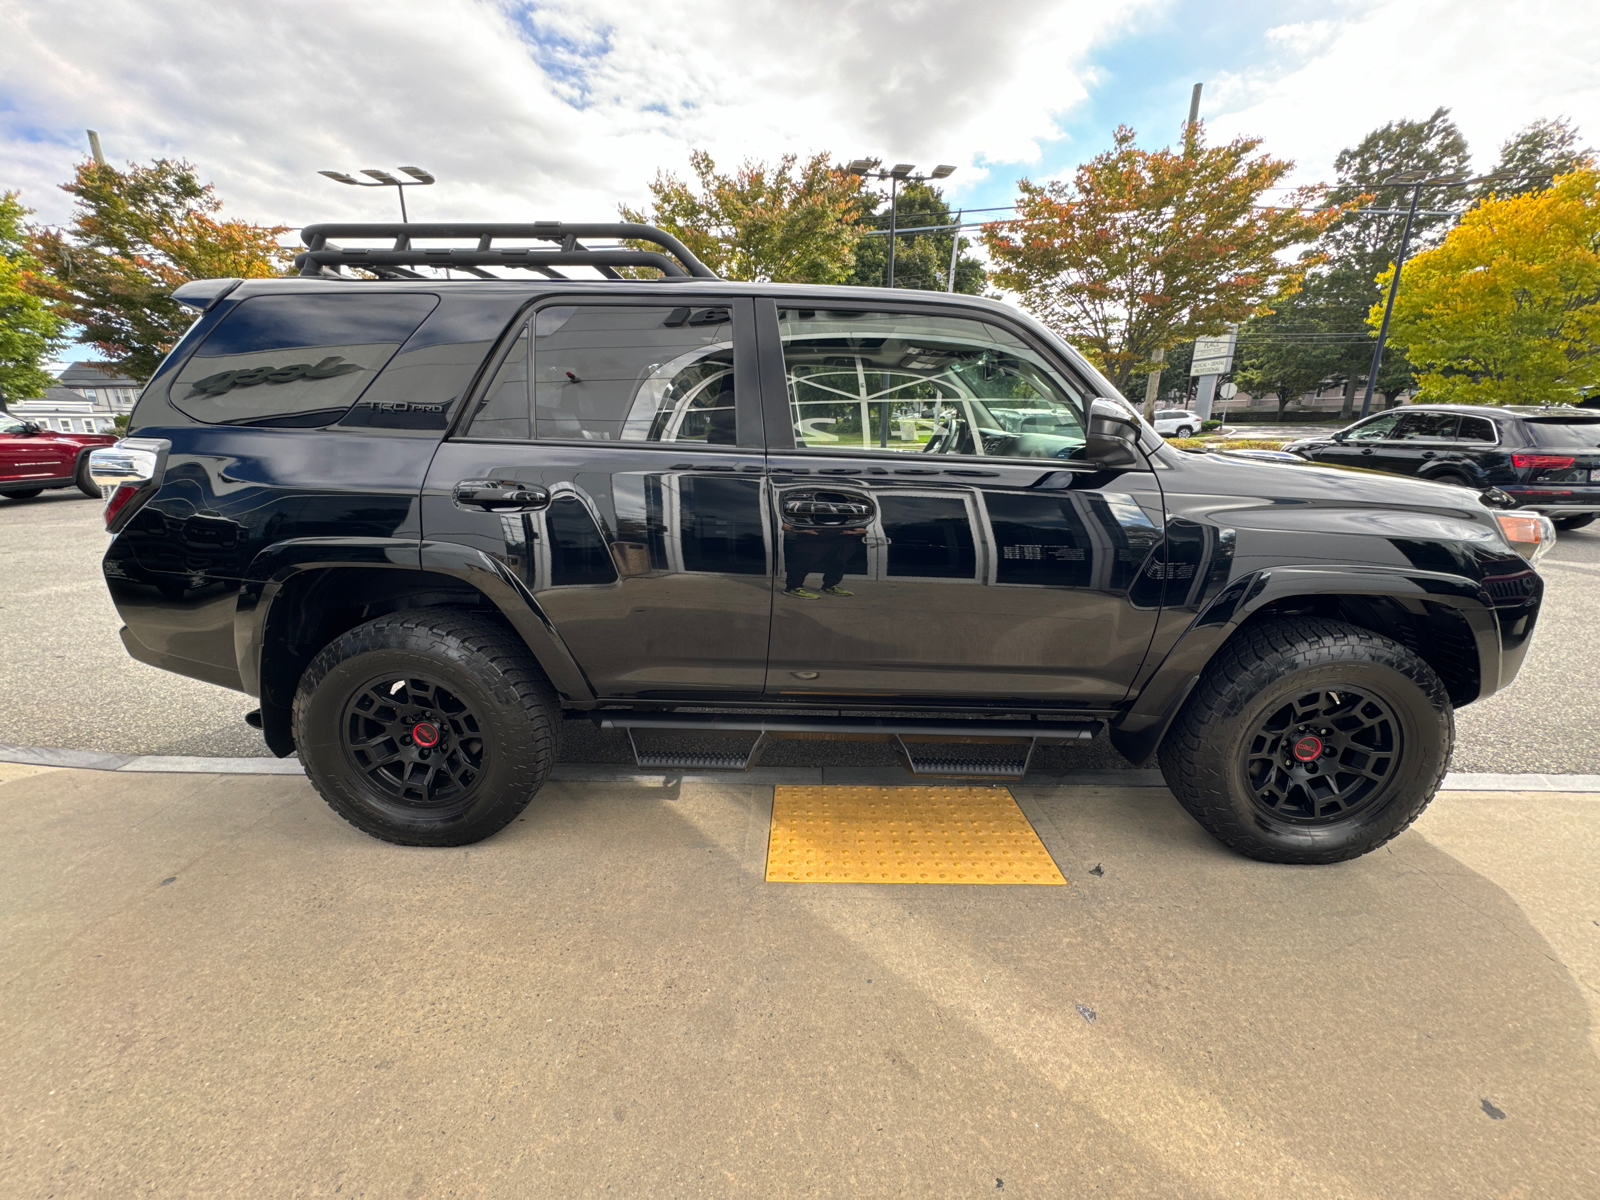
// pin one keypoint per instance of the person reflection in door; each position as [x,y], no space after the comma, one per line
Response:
[807,551]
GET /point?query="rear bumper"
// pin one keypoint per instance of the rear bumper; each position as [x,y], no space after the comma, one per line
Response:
[1554,499]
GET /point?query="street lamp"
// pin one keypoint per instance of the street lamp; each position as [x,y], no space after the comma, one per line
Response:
[1416,181]
[868,168]
[419,178]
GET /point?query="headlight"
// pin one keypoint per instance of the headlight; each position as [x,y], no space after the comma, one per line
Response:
[1531,534]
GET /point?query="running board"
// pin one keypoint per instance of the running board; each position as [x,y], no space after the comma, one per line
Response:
[673,761]
[926,753]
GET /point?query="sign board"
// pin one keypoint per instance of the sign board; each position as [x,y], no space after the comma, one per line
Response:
[1213,355]
[1228,390]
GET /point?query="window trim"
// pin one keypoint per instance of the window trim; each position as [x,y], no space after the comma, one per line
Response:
[747,408]
[775,384]
[1494,427]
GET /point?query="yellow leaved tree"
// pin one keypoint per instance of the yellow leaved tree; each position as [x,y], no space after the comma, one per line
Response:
[1506,310]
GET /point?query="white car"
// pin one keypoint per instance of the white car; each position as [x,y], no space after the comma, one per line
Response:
[1177,422]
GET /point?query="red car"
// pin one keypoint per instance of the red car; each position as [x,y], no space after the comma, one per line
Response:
[32,459]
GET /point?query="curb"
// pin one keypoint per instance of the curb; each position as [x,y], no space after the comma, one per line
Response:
[175,764]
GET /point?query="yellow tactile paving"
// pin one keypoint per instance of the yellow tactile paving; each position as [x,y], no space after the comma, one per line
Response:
[904,835]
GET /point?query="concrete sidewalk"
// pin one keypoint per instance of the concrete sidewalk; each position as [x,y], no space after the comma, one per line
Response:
[214,986]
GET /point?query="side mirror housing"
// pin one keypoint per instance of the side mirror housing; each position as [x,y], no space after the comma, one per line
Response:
[30,428]
[1113,435]
[1339,436]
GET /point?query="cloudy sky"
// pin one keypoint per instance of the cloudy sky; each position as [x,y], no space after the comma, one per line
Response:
[543,109]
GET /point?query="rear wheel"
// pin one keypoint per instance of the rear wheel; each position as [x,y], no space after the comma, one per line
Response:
[1573,522]
[1184,431]
[1310,741]
[428,728]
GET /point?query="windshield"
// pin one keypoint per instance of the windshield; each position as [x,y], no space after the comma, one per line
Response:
[1573,433]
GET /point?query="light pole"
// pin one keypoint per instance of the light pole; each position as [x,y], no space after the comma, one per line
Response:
[867,168]
[419,178]
[1416,181]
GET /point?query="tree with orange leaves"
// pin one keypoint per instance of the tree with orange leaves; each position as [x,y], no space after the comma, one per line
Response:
[1145,249]
[135,236]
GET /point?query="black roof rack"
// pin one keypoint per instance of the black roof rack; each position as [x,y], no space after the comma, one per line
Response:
[324,257]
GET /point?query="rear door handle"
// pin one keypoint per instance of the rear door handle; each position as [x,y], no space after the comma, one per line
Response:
[500,495]
[1427,454]
[1367,451]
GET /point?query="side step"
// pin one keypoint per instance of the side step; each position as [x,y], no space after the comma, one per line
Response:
[928,746]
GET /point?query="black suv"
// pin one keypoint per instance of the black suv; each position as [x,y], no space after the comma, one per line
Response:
[424,518]
[1545,459]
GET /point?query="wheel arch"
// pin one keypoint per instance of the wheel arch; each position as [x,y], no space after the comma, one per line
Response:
[304,594]
[1446,620]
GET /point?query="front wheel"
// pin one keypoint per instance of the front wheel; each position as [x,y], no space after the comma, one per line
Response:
[433,727]
[24,493]
[1573,522]
[1310,741]
[86,485]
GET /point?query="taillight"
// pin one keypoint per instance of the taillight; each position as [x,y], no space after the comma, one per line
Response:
[1531,534]
[1543,462]
[126,469]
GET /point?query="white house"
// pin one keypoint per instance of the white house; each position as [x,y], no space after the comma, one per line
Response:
[87,398]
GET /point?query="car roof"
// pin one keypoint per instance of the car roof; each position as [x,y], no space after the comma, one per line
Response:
[1496,410]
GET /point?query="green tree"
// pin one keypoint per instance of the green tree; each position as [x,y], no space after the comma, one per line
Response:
[135,236]
[922,260]
[1361,244]
[29,331]
[1145,249]
[1507,309]
[1533,157]
[787,221]
[1287,352]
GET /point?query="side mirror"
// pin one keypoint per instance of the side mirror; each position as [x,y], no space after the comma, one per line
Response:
[29,428]
[1339,436]
[1113,434]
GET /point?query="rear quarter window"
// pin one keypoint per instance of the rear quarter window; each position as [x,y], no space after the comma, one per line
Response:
[295,360]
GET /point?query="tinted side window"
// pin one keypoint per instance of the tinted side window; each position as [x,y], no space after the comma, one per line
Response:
[506,411]
[1426,426]
[1475,429]
[1372,430]
[921,383]
[295,360]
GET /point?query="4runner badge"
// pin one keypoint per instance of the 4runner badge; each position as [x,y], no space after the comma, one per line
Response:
[226,381]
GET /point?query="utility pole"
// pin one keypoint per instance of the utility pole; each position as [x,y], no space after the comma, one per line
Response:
[1415,181]
[94,149]
[955,248]
[1152,383]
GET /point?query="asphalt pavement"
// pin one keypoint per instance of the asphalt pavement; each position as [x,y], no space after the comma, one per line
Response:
[215,987]
[65,679]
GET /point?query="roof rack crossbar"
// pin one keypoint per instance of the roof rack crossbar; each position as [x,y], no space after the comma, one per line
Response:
[323,254]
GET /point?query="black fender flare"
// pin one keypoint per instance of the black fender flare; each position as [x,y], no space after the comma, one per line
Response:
[1137,733]
[281,562]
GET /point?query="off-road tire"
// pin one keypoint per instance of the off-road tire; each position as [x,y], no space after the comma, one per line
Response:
[1261,669]
[1573,522]
[86,485]
[478,659]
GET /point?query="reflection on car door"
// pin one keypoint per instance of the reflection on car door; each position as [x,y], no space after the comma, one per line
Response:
[987,563]
[652,556]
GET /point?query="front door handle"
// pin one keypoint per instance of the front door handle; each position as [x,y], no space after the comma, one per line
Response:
[1427,454]
[500,495]
[1367,451]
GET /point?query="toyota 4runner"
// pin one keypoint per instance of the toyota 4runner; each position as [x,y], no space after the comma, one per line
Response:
[423,510]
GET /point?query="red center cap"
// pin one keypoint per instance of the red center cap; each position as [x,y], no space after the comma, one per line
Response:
[425,734]
[1307,748]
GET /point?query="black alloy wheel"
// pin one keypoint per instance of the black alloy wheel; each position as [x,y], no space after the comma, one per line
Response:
[1309,740]
[1323,756]
[415,740]
[428,727]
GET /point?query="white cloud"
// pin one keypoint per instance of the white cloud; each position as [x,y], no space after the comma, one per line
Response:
[527,111]
[1496,66]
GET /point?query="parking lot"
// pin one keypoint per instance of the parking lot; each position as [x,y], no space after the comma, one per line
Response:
[212,983]
[65,679]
